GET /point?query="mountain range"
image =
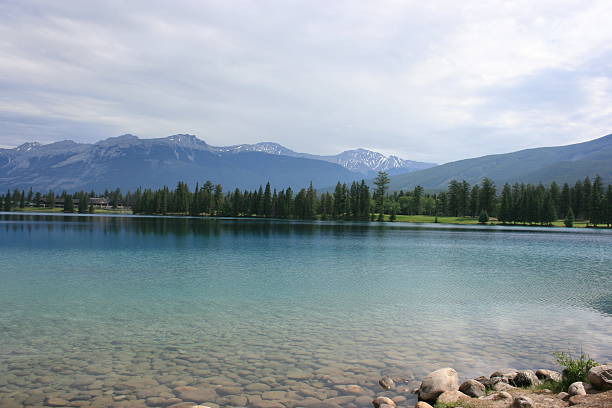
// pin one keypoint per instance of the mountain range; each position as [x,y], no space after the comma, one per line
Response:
[129,162]
[540,165]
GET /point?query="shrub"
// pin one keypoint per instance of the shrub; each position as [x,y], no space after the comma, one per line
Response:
[483,218]
[575,369]
[569,220]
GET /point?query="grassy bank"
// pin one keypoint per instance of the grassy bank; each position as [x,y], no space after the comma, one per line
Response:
[470,221]
[59,210]
[399,218]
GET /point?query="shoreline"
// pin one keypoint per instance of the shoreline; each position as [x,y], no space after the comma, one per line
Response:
[402,219]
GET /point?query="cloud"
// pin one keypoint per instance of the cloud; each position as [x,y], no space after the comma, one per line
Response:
[435,82]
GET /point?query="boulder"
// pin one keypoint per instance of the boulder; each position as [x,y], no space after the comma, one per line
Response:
[577,388]
[522,402]
[502,386]
[422,404]
[351,389]
[386,382]
[57,402]
[448,397]
[577,399]
[601,377]
[380,401]
[525,378]
[548,375]
[498,396]
[506,373]
[473,388]
[437,382]
[486,381]
[195,394]
[563,396]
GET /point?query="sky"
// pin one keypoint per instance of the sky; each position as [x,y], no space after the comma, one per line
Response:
[425,80]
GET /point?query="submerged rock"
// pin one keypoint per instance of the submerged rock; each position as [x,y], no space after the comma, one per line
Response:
[473,388]
[601,377]
[437,382]
[351,389]
[57,402]
[380,401]
[195,394]
[386,382]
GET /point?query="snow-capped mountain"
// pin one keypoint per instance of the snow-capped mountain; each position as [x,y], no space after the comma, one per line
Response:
[361,161]
[128,162]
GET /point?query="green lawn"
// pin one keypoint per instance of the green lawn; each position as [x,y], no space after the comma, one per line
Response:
[431,218]
[59,210]
[400,218]
[468,220]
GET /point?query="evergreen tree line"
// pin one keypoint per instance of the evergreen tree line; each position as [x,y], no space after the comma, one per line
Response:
[79,202]
[530,204]
[518,203]
[347,202]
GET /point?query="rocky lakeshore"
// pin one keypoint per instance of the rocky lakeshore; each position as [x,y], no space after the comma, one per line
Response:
[506,388]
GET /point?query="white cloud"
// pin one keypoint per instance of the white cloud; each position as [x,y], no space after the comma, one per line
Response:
[437,81]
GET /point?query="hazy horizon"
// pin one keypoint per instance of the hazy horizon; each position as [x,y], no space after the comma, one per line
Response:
[433,83]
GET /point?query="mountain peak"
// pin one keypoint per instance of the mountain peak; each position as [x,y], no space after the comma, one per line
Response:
[26,147]
[119,139]
[182,137]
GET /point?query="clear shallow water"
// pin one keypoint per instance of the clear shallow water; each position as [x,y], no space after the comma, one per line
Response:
[124,311]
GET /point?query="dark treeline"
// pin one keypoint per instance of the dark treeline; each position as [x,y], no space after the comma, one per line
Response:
[530,204]
[517,204]
[347,203]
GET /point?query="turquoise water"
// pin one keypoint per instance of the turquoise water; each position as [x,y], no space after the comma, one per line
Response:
[124,311]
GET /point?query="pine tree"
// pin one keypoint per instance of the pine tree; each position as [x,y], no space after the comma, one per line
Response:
[51,199]
[393,211]
[68,204]
[382,183]
[83,202]
[597,202]
[549,214]
[483,218]
[475,201]
[267,202]
[586,199]
[608,206]
[505,210]
[8,204]
[565,199]
[487,196]
[569,218]
[417,200]
[555,195]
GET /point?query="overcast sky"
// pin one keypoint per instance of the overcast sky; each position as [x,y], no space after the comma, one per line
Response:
[426,80]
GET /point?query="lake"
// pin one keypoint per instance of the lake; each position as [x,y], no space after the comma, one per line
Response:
[133,311]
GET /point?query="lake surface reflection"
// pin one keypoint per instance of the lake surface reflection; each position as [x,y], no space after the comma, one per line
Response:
[134,311]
